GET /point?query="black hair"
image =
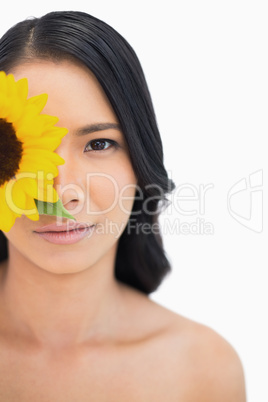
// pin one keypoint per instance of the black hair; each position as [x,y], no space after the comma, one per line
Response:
[141,261]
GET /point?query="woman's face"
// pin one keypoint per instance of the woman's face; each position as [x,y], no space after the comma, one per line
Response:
[96,184]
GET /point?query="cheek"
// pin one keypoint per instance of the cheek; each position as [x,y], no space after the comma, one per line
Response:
[110,192]
[17,232]
[20,233]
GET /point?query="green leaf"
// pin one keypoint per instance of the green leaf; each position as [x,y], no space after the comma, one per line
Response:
[52,208]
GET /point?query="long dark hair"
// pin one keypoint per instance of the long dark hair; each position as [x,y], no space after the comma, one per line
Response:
[141,260]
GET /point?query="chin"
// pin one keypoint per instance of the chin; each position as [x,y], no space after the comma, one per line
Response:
[64,264]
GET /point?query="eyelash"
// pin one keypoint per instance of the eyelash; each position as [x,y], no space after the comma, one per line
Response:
[113,144]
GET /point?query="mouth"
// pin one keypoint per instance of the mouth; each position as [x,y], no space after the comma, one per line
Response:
[69,233]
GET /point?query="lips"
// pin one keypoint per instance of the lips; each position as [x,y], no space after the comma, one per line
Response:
[69,233]
[62,228]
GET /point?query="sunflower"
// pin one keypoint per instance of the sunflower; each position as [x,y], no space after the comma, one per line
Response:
[28,164]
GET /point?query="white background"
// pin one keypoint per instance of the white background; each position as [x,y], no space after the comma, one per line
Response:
[206,65]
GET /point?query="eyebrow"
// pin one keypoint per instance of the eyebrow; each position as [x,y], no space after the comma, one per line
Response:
[92,128]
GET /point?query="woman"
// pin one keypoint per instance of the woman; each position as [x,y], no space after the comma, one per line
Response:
[76,320]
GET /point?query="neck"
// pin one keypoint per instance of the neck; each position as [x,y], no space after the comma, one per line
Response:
[61,310]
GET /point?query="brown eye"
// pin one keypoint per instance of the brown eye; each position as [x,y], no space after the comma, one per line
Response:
[99,145]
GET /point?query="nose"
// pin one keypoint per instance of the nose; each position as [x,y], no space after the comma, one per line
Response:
[69,186]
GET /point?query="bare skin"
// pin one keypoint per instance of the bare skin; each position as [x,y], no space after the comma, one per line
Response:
[69,331]
[154,354]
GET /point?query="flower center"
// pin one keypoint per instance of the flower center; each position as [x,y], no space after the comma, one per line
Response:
[11,150]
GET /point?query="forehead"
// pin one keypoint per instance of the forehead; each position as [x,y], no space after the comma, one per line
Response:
[73,91]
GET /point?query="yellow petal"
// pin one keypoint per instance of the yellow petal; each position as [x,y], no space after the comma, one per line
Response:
[4,105]
[7,220]
[45,155]
[36,163]
[28,185]
[31,210]
[28,125]
[44,142]
[22,89]
[38,101]
[3,83]
[14,111]
[11,86]
[59,132]
[15,197]
[7,217]
[49,121]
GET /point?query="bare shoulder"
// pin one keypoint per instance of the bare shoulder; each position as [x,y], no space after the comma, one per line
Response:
[209,364]
[212,363]
[201,364]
